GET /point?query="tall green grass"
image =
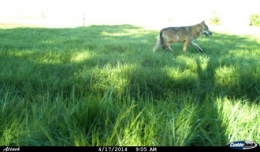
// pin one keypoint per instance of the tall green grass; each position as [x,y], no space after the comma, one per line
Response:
[103,86]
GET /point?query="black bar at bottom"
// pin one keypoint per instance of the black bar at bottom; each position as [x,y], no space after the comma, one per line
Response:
[113,148]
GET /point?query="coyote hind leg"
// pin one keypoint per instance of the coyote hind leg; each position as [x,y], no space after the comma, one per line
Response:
[170,49]
[158,43]
[155,47]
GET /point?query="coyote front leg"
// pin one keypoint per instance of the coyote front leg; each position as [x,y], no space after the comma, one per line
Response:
[196,46]
[186,43]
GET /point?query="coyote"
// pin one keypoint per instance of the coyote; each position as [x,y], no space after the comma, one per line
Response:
[183,34]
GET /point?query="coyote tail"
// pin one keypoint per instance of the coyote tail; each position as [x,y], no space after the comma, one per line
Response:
[162,40]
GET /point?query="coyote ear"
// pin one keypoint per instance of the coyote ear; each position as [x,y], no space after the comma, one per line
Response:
[203,22]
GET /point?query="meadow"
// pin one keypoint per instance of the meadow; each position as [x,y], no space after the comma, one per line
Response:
[103,86]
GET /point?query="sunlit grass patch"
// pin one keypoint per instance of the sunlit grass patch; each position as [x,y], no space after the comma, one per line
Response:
[227,76]
[240,117]
[81,56]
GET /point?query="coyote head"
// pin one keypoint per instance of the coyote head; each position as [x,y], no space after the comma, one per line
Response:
[205,29]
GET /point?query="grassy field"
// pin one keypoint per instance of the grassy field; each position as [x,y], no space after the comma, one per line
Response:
[102,85]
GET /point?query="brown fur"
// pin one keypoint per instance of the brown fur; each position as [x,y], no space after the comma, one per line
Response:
[184,34]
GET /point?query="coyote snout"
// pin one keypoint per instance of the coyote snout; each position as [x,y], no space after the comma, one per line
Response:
[183,34]
[205,29]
